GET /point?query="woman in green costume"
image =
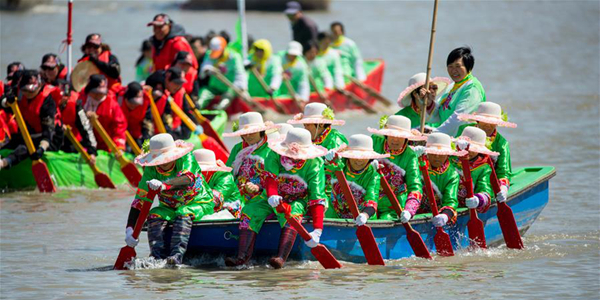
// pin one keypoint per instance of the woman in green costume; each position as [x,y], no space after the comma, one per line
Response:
[298,166]
[248,160]
[489,116]
[473,140]
[412,98]
[219,178]
[268,66]
[184,196]
[444,180]
[401,169]
[359,163]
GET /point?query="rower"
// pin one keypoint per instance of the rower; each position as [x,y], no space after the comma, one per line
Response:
[296,71]
[135,105]
[268,66]
[230,64]
[304,29]
[167,41]
[52,70]
[99,54]
[144,65]
[352,62]
[412,98]
[332,59]
[317,68]
[14,71]
[174,81]
[185,61]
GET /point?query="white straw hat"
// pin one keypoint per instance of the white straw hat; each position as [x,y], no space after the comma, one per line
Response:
[163,149]
[298,145]
[441,144]
[476,138]
[316,113]
[418,80]
[208,162]
[278,135]
[360,146]
[490,113]
[251,122]
[399,126]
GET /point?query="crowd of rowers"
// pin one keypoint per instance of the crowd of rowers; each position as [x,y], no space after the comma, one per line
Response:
[278,170]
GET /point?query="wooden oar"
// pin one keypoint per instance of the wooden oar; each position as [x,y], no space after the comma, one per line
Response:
[160,126]
[506,217]
[322,96]
[357,101]
[128,253]
[441,239]
[132,143]
[265,86]
[475,225]
[253,104]
[414,238]
[205,123]
[293,94]
[429,59]
[38,167]
[372,92]
[320,252]
[363,233]
[102,180]
[128,168]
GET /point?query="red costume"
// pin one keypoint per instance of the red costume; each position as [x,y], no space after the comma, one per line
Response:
[164,57]
[113,120]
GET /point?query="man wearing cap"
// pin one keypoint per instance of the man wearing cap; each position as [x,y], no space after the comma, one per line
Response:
[99,54]
[12,70]
[296,71]
[135,105]
[99,102]
[332,60]
[174,81]
[167,41]
[352,62]
[185,61]
[41,117]
[303,28]
[52,69]
[229,63]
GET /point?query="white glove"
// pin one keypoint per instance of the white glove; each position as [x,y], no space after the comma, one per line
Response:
[375,164]
[129,240]
[462,144]
[154,184]
[502,195]
[472,202]
[208,70]
[315,237]
[274,200]
[361,219]
[405,216]
[232,205]
[440,220]
[419,150]
[330,155]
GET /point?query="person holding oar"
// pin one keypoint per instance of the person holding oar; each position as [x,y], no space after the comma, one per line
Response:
[135,105]
[401,169]
[52,70]
[295,74]
[332,59]
[352,62]
[317,69]
[317,118]
[184,196]
[174,81]
[412,98]
[97,52]
[268,67]
[248,160]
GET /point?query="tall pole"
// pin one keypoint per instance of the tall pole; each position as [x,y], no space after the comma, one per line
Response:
[429,59]
[69,40]
[242,11]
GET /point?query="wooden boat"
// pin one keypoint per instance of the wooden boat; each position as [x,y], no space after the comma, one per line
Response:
[373,68]
[527,197]
[70,170]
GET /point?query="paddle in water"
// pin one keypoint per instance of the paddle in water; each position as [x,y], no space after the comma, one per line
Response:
[506,217]
[442,241]
[128,253]
[363,233]
[38,167]
[414,238]
[102,180]
[475,225]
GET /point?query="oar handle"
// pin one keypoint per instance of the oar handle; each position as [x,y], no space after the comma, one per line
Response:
[428,187]
[466,166]
[265,87]
[181,114]
[22,127]
[313,83]
[195,111]
[109,142]
[132,143]
[86,156]
[341,177]
[356,100]
[255,105]
[494,177]
[160,126]
[429,60]
[390,194]
[294,222]
[292,93]
[370,90]
[146,205]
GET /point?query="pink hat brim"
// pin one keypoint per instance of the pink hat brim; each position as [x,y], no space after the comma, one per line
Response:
[317,121]
[214,168]
[152,159]
[436,151]
[404,99]
[477,148]
[313,151]
[254,129]
[488,120]
[397,133]
[361,154]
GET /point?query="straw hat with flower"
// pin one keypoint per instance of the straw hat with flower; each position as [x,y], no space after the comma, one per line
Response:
[418,80]
[250,122]
[475,138]
[360,146]
[163,149]
[316,113]
[490,113]
[397,126]
[298,145]
[441,144]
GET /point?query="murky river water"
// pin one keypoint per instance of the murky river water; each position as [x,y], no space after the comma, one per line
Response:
[539,60]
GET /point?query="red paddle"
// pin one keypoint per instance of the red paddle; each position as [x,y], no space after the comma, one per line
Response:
[363,233]
[441,238]
[102,180]
[413,237]
[128,253]
[475,225]
[320,252]
[505,215]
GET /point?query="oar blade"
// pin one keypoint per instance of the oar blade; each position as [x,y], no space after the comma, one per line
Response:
[510,231]
[416,242]
[369,245]
[125,255]
[103,181]
[327,260]
[212,144]
[443,243]
[476,232]
[132,174]
[42,177]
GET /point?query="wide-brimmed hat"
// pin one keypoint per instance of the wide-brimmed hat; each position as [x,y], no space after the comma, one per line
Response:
[398,126]
[81,74]
[316,113]
[490,113]
[298,145]
[476,138]
[418,80]
[251,122]
[163,149]
[441,144]
[208,162]
[360,146]
[278,135]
